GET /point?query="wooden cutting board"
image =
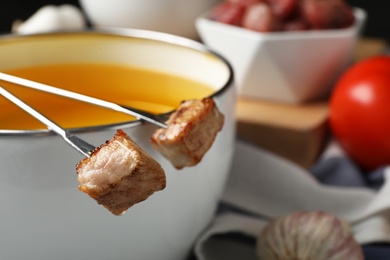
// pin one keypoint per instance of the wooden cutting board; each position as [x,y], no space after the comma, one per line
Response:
[295,132]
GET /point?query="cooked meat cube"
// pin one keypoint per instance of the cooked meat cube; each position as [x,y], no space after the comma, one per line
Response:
[120,174]
[330,14]
[261,18]
[191,131]
[228,12]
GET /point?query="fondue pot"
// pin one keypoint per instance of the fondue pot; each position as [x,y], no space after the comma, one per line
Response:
[45,216]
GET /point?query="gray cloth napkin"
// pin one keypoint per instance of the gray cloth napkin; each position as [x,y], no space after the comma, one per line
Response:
[262,186]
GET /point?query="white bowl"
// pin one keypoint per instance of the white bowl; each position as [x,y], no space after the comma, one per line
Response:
[44,216]
[291,67]
[169,16]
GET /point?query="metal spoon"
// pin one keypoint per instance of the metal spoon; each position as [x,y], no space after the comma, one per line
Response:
[140,114]
[77,143]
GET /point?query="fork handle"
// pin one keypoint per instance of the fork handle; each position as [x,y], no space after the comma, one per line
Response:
[77,143]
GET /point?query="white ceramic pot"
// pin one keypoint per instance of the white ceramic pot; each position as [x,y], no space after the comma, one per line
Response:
[44,216]
[170,16]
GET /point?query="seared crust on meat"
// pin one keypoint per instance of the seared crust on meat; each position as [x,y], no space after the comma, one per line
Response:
[120,174]
[191,131]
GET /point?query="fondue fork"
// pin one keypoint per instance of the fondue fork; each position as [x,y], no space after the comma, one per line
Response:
[140,114]
[76,142]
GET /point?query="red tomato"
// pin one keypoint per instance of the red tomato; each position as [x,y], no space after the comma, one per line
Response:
[360,112]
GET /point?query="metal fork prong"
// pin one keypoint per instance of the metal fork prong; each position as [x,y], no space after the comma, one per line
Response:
[79,144]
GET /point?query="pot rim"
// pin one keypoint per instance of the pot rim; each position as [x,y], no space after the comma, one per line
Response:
[122,32]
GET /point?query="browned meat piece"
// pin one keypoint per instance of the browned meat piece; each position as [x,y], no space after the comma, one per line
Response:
[120,174]
[284,9]
[191,132]
[229,13]
[327,14]
[261,18]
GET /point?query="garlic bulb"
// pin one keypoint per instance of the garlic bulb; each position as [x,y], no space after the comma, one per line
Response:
[51,18]
[313,235]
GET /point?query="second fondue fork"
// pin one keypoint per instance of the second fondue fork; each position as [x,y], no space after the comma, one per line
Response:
[140,114]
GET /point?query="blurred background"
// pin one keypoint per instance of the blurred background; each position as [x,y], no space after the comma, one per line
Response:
[377,25]
[261,130]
